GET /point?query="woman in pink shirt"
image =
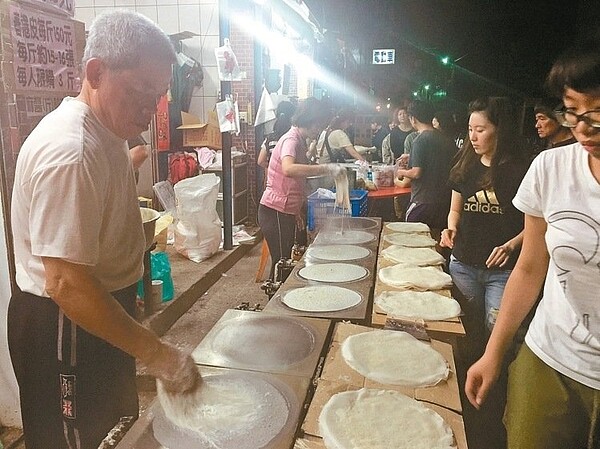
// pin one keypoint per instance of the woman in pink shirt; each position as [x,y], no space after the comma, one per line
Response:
[281,203]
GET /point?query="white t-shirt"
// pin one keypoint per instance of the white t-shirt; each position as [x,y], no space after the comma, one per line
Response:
[338,140]
[75,198]
[565,332]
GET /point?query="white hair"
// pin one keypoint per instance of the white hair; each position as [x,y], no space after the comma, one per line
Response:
[120,38]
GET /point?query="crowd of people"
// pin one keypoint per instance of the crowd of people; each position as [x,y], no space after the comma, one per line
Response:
[512,224]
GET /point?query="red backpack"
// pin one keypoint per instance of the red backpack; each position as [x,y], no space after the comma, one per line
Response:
[183,165]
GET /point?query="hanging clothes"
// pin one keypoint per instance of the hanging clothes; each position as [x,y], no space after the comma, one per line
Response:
[187,75]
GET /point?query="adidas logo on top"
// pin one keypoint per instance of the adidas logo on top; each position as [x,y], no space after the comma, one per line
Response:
[485,202]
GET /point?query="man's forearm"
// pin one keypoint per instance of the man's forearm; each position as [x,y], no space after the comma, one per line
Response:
[85,302]
[412,173]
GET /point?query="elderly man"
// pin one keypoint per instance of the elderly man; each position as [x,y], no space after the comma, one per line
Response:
[79,245]
[548,127]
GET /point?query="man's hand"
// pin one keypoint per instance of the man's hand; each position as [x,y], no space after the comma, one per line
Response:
[402,161]
[176,370]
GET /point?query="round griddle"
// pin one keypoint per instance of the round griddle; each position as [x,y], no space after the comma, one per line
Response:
[271,417]
[264,342]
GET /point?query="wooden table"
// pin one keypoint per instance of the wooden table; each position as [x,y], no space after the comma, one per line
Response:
[378,207]
[337,376]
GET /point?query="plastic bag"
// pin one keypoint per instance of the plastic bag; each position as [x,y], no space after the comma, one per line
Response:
[206,156]
[227,63]
[383,176]
[228,114]
[325,193]
[198,229]
[160,270]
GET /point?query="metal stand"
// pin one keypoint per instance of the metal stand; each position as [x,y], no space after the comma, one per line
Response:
[283,268]
[147,280]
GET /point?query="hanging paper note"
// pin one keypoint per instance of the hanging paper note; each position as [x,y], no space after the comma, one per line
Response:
[226,114]
[227,63]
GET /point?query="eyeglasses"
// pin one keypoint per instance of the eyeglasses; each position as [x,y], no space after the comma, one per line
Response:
[570,119]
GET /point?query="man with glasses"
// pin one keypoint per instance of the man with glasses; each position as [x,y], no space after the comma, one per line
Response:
[554,383]
[79,244]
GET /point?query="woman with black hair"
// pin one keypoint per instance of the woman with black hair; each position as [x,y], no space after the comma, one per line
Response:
[283,123]
[334,145]
[484,228]
[280,209]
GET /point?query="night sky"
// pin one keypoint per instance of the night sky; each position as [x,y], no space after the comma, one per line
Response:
[508,43]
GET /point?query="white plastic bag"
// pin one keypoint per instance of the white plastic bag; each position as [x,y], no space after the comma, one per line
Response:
[227,63]
[228,114]
[198,228]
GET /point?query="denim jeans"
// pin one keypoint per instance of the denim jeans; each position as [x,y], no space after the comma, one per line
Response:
[482,289]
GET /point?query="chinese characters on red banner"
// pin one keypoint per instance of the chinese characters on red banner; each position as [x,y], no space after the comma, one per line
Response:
[44,52]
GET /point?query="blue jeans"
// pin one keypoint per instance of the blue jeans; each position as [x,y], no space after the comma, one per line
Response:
[482,289]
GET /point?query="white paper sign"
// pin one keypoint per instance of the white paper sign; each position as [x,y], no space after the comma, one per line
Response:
[384,56]
[44,52]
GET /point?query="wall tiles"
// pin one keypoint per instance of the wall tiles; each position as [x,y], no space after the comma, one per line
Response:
[100,10]
[209,43]
[209,104]
[209,19]
[146,2]
[104,3]
[198,16]
[149,11]
[189,18]
[197,107]
[85,15]
[168,18]
[211,84]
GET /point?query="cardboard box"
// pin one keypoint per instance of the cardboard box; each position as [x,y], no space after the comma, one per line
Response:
[337,376]
[198,134]
[445,330]
[336,369]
